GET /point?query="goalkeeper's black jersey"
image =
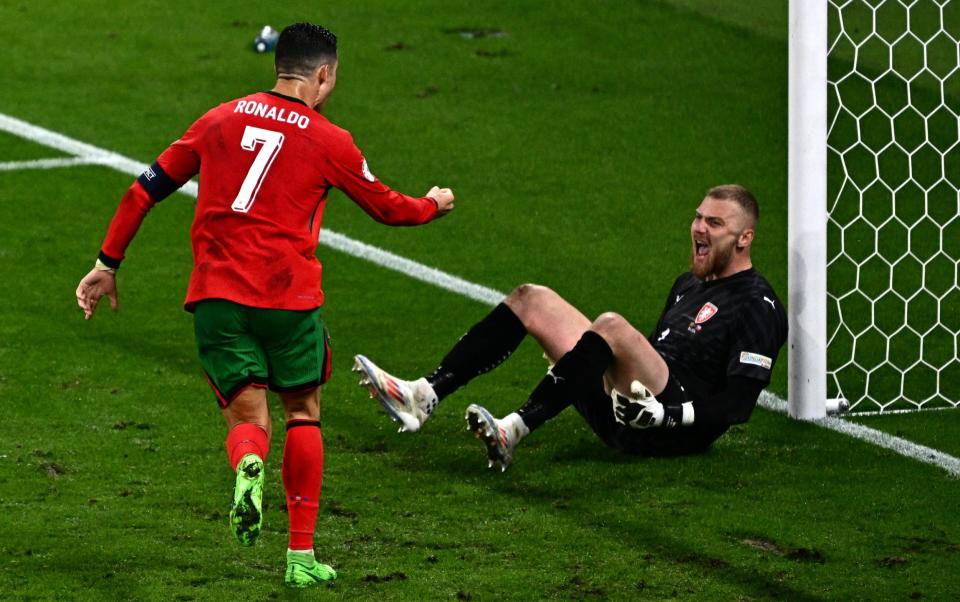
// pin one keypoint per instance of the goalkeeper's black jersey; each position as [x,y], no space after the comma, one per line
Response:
[710,330]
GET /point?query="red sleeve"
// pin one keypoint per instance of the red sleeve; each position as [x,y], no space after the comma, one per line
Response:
[351,174]
[172,169]
[134,206]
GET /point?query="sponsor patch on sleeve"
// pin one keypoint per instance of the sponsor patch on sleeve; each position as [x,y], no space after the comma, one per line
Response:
[747,357]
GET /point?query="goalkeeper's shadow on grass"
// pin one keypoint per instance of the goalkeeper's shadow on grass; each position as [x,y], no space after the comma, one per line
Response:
[651,535]
[532,480]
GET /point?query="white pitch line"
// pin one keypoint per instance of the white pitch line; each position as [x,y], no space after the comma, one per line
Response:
[49,163]
[410,268]
[912,450]
[452,283]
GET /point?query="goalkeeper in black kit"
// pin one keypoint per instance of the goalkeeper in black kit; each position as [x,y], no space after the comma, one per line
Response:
[672,393]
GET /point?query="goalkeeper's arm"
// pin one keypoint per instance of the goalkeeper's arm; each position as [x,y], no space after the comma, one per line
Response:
[732,405]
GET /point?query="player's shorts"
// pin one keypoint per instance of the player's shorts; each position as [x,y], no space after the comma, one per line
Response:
[242,346]
[597,410]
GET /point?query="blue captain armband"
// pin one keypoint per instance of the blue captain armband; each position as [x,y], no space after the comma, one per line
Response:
[157,183]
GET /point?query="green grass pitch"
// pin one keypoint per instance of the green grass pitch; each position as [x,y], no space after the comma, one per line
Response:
[578,143]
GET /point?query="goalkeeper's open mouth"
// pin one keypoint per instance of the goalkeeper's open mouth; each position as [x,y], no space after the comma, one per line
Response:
[700,249]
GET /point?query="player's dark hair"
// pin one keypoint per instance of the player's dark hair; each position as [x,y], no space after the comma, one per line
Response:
[303,47]
[741,196]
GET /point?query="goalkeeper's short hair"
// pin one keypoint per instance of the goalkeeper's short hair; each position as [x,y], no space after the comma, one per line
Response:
[303,47]
[741,196]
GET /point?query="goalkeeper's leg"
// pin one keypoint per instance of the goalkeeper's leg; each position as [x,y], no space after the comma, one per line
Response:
[528,309]
[577,375]
[635,359]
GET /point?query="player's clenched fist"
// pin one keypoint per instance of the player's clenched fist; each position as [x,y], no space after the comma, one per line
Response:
[443,197]
[642,410]
[639,411]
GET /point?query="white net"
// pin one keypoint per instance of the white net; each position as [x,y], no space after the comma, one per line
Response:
[893,252]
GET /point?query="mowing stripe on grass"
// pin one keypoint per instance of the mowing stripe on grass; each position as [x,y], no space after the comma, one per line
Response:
[413,269]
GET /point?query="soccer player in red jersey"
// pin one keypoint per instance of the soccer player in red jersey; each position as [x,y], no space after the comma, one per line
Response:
[266,163]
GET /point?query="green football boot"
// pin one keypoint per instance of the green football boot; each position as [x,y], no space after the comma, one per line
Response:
[246,514]
[303,570]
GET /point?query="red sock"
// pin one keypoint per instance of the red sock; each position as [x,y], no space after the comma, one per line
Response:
[246,438]
[302,475]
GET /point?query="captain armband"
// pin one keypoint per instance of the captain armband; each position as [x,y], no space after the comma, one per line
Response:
[157,183]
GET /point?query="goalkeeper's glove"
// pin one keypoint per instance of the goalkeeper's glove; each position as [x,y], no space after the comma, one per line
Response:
[642,410]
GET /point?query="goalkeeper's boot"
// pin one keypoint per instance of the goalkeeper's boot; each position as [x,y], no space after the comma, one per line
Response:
[408,402]
[246,514]
[303,570]
[499,438]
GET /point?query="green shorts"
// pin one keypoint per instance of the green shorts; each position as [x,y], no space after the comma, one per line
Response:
[242,346]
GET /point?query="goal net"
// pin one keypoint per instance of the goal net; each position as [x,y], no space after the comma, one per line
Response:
[893,215]
[893,231]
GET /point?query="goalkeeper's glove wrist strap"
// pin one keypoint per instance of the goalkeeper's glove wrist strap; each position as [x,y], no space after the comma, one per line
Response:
[680,414]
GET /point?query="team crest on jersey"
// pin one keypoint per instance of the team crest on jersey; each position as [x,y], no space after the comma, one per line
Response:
[366,172]
[706,312]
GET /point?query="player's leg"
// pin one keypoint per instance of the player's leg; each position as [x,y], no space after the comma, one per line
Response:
[634,358]
[249,428]
[298,353]
[610,348]
[576,375]
[248,442]
[557,326]
[302,472]
[549,318]
[530,308]
[236,370]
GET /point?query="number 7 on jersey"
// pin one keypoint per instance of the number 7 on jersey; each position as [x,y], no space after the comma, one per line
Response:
[271,142]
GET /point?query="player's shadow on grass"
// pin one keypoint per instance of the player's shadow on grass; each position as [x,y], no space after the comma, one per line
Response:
[164,355]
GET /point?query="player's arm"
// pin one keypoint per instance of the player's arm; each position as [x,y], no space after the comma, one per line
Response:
[172,169]
[733,405]
[757,339]
[753,352]
[351,174]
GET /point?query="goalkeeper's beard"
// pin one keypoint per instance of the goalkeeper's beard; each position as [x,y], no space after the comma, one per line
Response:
[716,261]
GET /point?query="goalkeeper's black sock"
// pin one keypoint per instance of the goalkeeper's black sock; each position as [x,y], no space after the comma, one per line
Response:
[573,377]
[485,346]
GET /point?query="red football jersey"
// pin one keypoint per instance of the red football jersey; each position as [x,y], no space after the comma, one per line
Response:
[266,163]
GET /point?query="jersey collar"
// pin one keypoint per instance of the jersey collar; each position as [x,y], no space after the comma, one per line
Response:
[290,98]
[741,274]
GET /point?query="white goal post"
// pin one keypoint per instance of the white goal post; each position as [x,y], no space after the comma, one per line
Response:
[874,205]
[807,212]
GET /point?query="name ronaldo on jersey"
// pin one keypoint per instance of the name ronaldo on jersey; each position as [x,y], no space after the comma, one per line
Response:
[259,109]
